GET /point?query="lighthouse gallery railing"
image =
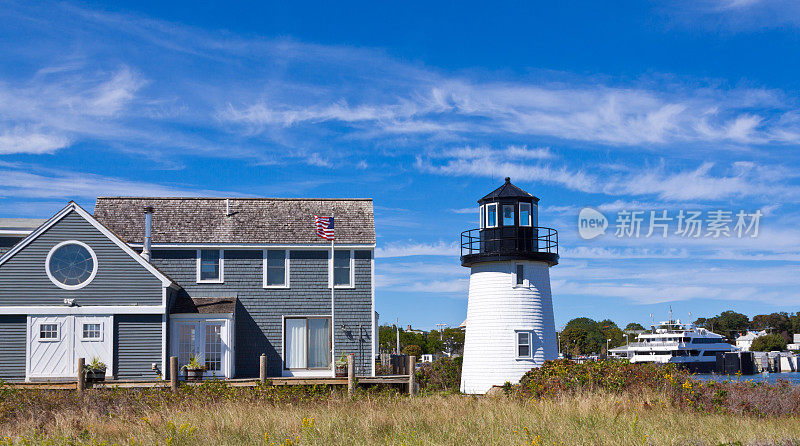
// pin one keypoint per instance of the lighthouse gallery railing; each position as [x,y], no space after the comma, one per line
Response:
[509,240]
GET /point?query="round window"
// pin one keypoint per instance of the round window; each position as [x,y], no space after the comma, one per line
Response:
[71,265]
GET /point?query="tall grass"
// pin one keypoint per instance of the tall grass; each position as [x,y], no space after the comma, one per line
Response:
[597,417]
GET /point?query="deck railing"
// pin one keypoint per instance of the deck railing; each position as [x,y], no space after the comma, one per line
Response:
[509,240]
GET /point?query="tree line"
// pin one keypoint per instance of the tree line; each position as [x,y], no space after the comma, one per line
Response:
[584,336]
[415,343]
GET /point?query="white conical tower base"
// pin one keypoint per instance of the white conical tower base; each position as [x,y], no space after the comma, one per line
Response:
[497,310]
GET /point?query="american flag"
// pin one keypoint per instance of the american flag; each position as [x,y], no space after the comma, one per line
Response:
[324,227]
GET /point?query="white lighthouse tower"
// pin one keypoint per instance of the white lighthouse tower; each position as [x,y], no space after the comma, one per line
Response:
[510,326]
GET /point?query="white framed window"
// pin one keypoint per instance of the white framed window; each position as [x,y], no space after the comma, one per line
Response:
[92,331]
[508,215]
[519,275]
[491,215]
[525,214]
[307,343]
[343,269]
[210,341]
[276,268]
[210,265]
[523,339]
[481,218]
[49,333]
[71,265]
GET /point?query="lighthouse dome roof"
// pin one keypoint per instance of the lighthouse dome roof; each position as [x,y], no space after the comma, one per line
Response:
[508,190]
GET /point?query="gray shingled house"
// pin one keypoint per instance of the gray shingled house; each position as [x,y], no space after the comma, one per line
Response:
[223,279]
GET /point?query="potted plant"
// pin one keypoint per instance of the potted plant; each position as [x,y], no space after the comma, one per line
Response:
[95,371]
[341,365]
[194,369]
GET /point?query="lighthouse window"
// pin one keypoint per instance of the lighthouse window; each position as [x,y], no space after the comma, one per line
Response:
[520,273]
[508,215]
[524,214]
[523,344]
[482,218]
[491,215]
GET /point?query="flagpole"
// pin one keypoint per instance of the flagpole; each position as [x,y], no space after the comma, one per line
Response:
[333,304]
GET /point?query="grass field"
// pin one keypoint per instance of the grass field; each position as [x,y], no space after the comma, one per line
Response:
[581,419]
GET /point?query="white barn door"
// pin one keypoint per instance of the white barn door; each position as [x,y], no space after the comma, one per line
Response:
[56,342]
[93,339]
[50,347]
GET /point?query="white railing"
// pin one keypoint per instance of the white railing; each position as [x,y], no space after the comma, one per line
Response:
[655,344]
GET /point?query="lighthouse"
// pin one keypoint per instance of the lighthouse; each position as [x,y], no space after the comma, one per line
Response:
[510,326]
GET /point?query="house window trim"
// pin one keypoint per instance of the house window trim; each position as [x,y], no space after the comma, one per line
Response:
[352,283]
[496,216]
[286,266]
[55,281]
[85,339]
[221,278]
[330,342]
[58,332]
[529,223]
[517,344]
[514,283]
[482,218]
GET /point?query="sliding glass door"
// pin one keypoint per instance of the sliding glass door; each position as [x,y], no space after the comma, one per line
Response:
[308,343]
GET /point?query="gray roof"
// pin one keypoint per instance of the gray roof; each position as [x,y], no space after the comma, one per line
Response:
[204,305]
[251,220]
[507,190]
[24,224]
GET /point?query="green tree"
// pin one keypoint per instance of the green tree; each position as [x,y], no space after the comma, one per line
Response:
[633,326]
[728,323]
[413,350]
[768,343]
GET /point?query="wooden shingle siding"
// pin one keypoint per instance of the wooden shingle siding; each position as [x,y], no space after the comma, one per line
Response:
[120,279]
[138,344]
[12,346]
[259,316]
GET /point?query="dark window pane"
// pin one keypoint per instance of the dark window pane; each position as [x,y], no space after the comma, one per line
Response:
[276,276]
[520,274]
[209,265]
[341,268]
[276,257]
[524,351]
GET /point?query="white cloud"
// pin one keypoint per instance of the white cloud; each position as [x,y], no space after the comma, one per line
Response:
[401,249]
[69,185]
[33,142]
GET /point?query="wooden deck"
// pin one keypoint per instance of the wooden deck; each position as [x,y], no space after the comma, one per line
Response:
[237,382]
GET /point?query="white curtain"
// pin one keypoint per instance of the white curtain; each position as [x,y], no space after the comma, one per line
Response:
[319,348]
[295,344]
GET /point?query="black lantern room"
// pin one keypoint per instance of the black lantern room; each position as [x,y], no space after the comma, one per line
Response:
[509,230]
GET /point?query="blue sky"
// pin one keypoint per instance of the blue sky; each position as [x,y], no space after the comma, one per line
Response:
[425,108]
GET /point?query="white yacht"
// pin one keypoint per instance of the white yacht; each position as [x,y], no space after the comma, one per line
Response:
[672,342]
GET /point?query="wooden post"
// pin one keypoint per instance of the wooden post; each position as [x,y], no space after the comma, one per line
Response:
[262,368]
[173,373]
[412,365]
[81,375]
[351,374]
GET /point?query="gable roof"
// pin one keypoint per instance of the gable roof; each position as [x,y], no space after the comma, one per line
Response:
[507,190]
[251,220]
[74,207]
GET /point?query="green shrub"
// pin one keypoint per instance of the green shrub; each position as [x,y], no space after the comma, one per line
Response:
[444,374]
[768,343]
